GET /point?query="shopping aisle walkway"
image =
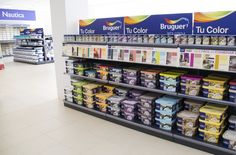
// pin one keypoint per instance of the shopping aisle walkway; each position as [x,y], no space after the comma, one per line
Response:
[34,122]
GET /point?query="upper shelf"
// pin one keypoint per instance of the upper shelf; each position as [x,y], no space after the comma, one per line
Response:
[209,47]
[125,44]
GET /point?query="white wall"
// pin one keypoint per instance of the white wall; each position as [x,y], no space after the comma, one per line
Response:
[41,8]
[65,15]
[114,8]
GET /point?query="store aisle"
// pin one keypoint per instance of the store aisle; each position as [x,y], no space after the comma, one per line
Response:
[34,122]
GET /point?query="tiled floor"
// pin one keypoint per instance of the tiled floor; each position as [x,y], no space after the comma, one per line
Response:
[34,122]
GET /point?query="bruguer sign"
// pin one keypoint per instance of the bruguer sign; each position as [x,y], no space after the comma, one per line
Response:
[10,14]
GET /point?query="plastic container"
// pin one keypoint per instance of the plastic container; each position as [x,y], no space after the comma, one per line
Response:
[148,100]
[163,124]
[232,122]
[78,85]
[191,79]
[148,112]
[214,93]
[165,115]
[229,139]
[208,136]
[128,116]
[131,80]
[101,106]
[68,98]
[102,97]
[149,83]
[90,73]
[213,113]
[108,88]
[78,100]
[146,120]
[169,86]
[187,131]
[115,70]
[212,126]
[190,89]
[215,82]
[129,105]
[115,77]
[121,91]
[103,75]
[187,118]
[89,97]
[167,103]
[170,76]
[150,74]
[232,95]
[130,72]
[89,104]
[91,88]
[115,100]
[193,105]
[114,110]
[232,84]
[135,94]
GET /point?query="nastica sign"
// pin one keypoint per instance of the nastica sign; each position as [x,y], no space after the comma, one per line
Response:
[102,26]
[10,14]
[218,23]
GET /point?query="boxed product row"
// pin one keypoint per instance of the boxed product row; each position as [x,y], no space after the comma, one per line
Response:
[213,86]
[155,39]
[187,58]
[191,118]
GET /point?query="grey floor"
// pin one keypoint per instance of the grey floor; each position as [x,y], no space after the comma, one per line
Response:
[34,122]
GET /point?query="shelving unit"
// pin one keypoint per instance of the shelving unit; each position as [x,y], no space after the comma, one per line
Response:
[173,135]
[223,102]
[32,47]
[7,33]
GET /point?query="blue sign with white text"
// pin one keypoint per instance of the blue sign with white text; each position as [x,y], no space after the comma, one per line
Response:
[102,26]
[218,23]
[10,14]
[159,24]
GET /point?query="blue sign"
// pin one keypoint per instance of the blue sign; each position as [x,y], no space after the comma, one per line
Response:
[9,14]
[159,24]
[102,26]
[37,31]
[218,23]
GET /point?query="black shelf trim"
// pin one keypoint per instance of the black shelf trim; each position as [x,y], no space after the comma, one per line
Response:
[34,63]
[124,44]
[200,98]
[209,47]
[86,43]
[143,88]
[143,44]
[30,45]
[223,102]
[172,136]
[179,67]
[88,78]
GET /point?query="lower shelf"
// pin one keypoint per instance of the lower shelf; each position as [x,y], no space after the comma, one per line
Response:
[172,136]
[35,63]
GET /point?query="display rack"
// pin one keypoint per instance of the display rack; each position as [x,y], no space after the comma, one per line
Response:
[173,135]
[33,47]
[7,33]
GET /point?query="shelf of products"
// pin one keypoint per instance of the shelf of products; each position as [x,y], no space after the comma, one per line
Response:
[172,136]
[119,81]
[33,47]
[223,102]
